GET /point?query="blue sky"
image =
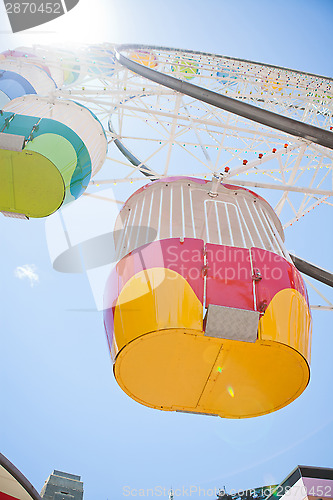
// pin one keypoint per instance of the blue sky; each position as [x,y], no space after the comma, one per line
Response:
[60,405]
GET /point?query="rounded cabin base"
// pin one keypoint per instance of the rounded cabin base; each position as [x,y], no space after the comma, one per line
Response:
[184,370]
[216,321]
[30,184]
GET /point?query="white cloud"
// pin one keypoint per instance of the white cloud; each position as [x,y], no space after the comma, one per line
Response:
[29,272]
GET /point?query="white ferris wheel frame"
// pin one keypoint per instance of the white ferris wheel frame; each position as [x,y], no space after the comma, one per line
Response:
[283,131]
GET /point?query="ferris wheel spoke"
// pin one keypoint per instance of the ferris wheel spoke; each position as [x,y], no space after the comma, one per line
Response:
[328,302]
[172,132]
[204,151]
[224,125]
[116,180]
[100,197]
[305,211]
[281,202]
[280,187]
[282,169]
[316,171]
[266,158]
[116,160]
[296,213]
[328,171]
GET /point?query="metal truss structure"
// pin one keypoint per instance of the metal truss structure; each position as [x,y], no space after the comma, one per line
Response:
[179,112]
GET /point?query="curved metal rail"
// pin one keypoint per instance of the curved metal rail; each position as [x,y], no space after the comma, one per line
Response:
[146,171]
[20,478]
[313,271]
[258,115]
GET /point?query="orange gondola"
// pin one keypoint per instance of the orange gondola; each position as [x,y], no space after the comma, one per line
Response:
[205,311]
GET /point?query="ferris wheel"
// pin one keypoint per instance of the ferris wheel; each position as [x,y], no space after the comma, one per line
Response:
[172,111]
[206,129]
[258,125]
[261,126]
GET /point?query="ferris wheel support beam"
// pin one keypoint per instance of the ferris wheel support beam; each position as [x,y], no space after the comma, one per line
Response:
[322,308]
[256,163]
[146,171]
[311,207]
[204,151]
[261,185]
[259,115]
[313,271]
[224,126]
[281,187]
[295,168]
[172,132]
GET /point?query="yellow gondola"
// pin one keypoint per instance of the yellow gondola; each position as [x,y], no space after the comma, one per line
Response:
[206,313]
